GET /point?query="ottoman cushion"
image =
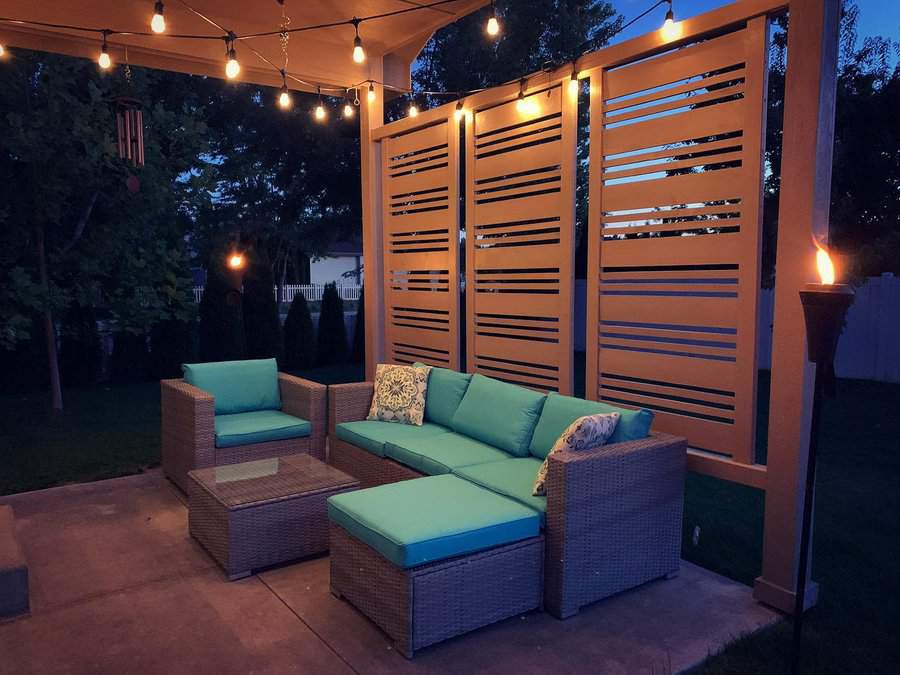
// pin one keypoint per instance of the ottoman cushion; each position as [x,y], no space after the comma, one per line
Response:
[419,521]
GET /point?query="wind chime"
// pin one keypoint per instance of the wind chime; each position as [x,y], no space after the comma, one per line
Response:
[130,130]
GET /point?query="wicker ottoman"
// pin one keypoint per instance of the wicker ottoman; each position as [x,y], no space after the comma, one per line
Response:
[265,512]
[421,604]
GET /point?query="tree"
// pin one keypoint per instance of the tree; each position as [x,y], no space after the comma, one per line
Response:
[299,336]
[332,348]
[262,324]
[221,330]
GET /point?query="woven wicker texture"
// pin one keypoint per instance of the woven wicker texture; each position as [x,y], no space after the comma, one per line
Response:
[279,518]
[424,605]
[188,427]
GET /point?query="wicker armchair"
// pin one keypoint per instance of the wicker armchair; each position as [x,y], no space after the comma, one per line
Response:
[188,427]
[613,517]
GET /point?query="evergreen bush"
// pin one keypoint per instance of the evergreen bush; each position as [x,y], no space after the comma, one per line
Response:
[358,350]
[221,329]
[332,343]
[262,324]
[299,336]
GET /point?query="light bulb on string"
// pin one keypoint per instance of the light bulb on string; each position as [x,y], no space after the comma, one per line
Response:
[158,22]
[319,113]
[460,111]
[104,61]
[371,94]
[236,260]
[2,51]
[493,25]
[671,29]
[413,110]
[232,67]
[348,111]
[359,54]
[284,95]
[573,83]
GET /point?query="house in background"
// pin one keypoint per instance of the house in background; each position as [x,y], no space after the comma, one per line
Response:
[341,263]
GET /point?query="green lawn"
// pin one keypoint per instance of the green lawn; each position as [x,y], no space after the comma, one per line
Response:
[114,430]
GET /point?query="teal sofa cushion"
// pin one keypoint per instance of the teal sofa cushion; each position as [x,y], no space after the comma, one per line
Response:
[446,389]
[238,386]
[560,411]
[420,521]
[499,413]
[371,435]
[441,454]
[258,426]
[513,478]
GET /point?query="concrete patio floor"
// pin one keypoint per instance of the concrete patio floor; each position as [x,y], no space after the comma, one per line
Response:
[118,586]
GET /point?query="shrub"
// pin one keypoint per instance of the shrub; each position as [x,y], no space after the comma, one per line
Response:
[332,344]
[299,336]
[262,324]
[221,330]
[171,344]
[358,349]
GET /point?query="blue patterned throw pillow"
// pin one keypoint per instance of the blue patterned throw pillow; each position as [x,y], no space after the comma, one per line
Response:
[584,433]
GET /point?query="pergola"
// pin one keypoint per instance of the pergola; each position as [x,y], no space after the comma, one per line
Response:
[677,139]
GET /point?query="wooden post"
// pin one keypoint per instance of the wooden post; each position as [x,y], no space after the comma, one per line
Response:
[371,117]
[803,213]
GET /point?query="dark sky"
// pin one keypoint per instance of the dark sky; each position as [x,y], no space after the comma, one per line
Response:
[876,17]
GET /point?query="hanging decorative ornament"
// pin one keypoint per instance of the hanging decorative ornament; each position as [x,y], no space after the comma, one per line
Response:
[130,130]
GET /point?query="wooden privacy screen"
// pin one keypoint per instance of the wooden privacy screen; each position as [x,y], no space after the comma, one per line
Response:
[420,182]
[520,201]
[676,178]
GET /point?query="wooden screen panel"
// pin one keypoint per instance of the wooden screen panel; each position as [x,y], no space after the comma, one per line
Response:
[420,184]
[520,183]
[674,237]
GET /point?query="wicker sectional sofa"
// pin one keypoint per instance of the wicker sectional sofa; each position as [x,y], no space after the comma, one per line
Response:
[238,411]
[611,519]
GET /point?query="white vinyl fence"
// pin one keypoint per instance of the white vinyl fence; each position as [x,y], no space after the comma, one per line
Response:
[312,292]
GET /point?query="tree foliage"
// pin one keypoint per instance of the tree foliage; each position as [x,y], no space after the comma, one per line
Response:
[299,336]
[262,324]
[332,343]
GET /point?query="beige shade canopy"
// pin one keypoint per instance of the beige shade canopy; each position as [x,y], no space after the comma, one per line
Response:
[318,57]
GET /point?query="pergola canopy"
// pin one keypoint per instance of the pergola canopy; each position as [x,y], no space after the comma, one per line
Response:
[317,57]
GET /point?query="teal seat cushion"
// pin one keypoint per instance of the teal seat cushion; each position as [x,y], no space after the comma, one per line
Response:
[446,389]
[258,426]
[420,521]
[442,453]
[499,413]
[237,386]
[513,478]
[560,411]
[371,435]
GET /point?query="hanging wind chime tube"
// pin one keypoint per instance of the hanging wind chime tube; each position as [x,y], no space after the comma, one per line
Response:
[130,128]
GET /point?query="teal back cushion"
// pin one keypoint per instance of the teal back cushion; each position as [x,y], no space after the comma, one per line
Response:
[446,389]
[498,413]
[238,386]
[560,411]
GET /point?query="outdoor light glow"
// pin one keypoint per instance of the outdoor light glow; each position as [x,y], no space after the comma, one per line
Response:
[671,29]
[2,50]
[232,68]
[526,106]
[158,22]
[359,54]
[493,26]
[284,98]
[320,112]
[573,86]
[413,111]
[348,111]
[371,94]
[236,261]
[103,60]
[460,112]
[824,265]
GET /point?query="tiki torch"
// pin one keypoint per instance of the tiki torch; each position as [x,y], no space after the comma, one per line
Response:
[824,309]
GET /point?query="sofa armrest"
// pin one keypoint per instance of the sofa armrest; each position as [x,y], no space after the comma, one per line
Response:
[613,519]
[188,429]
[306,399]
[349,402]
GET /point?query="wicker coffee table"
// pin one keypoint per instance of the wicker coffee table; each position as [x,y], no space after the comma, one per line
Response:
[262,513]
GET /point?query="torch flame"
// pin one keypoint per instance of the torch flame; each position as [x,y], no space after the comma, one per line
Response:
[824,264]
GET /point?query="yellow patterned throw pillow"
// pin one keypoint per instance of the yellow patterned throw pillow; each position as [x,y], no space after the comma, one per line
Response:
[584,433]
[399,394]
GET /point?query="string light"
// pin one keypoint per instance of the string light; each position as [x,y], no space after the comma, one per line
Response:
[413,110]
[521,104]
[371,94]
[284,96]
[236,260]
[671,29]
[232,67]
[573,82]
[2,51]
[104,61]
[359,54]
[348,111]
[493,26]
[158,22]
[460,111]
[319,112]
